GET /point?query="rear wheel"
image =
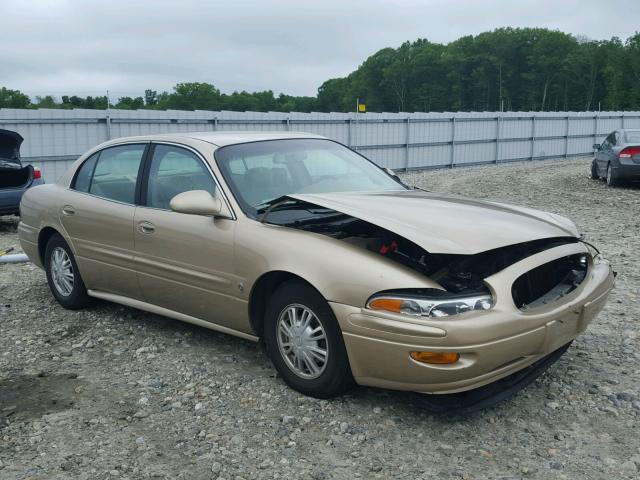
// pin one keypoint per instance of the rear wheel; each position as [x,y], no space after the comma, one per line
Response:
[304,342]
[611,180]
[63,276]
[594,171]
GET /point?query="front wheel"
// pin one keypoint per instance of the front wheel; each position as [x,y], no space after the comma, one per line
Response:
[63,276]
[304,342]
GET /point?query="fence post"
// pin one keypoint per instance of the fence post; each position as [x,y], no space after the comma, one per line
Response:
[595,128]
[622,119]
[108,121]
[355,132]
[533,136]
[566,138]
[349,138]
[288,124]
[498,134]
[453,141]
[406,151]
[215,123]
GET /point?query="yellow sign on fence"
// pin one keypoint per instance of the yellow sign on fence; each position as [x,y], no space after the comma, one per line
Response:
[362,108]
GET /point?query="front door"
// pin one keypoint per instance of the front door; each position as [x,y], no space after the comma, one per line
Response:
[97,213]
[185,262]
[604,154]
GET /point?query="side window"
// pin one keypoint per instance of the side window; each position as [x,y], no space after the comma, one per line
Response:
[618,139]
[175,170]
[609,141]
[84,174]
[116,173]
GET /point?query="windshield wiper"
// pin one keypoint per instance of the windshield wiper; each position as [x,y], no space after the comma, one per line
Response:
[266,207]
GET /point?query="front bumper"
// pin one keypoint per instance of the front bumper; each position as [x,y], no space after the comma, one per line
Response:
[492,344]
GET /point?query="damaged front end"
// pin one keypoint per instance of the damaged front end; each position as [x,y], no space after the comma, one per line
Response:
[461,276]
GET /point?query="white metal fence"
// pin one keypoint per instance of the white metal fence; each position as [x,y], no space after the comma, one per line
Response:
[54,138]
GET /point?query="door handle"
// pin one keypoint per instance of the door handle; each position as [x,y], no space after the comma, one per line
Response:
[68,210]
[146,227]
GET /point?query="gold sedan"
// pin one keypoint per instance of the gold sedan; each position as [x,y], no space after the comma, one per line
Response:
[344,273]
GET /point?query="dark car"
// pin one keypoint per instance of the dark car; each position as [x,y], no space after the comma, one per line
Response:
[15,178]
[617,158]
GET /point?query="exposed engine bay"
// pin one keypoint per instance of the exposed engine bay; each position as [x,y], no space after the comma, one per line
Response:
[457,274]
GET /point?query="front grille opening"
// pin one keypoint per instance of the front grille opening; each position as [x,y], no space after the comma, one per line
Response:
[549,282]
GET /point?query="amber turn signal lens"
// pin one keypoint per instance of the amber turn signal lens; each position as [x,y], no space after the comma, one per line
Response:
[388,304]
[436,357]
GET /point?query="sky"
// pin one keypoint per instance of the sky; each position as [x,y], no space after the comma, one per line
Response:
[86,47]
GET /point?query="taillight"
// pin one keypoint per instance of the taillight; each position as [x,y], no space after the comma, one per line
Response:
[629,152]
[36,173]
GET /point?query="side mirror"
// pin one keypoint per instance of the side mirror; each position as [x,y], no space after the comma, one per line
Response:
[199,202]
[393,174]
[596,146]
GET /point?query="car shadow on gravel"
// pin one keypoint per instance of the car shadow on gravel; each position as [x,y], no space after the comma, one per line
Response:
[24,397]
[8,224]
[228,351]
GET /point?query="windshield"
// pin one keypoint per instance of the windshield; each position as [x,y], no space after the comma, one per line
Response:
[260,172]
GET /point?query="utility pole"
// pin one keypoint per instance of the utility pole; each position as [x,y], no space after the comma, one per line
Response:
[355,139]
[108,118]
[500,87]
[360,108]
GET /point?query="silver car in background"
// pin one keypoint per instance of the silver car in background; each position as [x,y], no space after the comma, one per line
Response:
[617,158]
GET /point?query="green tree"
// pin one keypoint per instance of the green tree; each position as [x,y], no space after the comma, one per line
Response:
[128,103]
[46,102]
[13,99]
[150,98]
[191,96]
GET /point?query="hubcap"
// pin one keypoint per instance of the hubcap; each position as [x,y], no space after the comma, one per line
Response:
[62,271]
[302,341]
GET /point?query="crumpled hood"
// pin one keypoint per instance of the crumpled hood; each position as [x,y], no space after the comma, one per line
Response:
[446,224]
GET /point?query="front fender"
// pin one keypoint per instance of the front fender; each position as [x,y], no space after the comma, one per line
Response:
[341,272]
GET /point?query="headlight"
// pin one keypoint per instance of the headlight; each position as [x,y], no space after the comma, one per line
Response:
[427,306]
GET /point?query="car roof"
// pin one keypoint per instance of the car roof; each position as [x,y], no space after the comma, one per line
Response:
[220,139]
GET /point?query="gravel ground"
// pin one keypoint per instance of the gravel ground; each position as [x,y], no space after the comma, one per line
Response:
[113,392]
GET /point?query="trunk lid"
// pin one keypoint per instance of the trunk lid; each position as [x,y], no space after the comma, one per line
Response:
[12,173]
[10,148]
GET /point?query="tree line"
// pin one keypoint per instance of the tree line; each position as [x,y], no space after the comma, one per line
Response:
[511,69]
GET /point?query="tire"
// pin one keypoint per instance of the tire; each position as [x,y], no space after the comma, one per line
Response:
[611,180]
[60,264]
[293,352]
[594,171]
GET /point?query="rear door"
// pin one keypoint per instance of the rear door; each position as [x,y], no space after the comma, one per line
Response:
[97,213]
[185,262]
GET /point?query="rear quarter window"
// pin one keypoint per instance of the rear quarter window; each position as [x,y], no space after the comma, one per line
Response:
[116,173]
[84,174]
